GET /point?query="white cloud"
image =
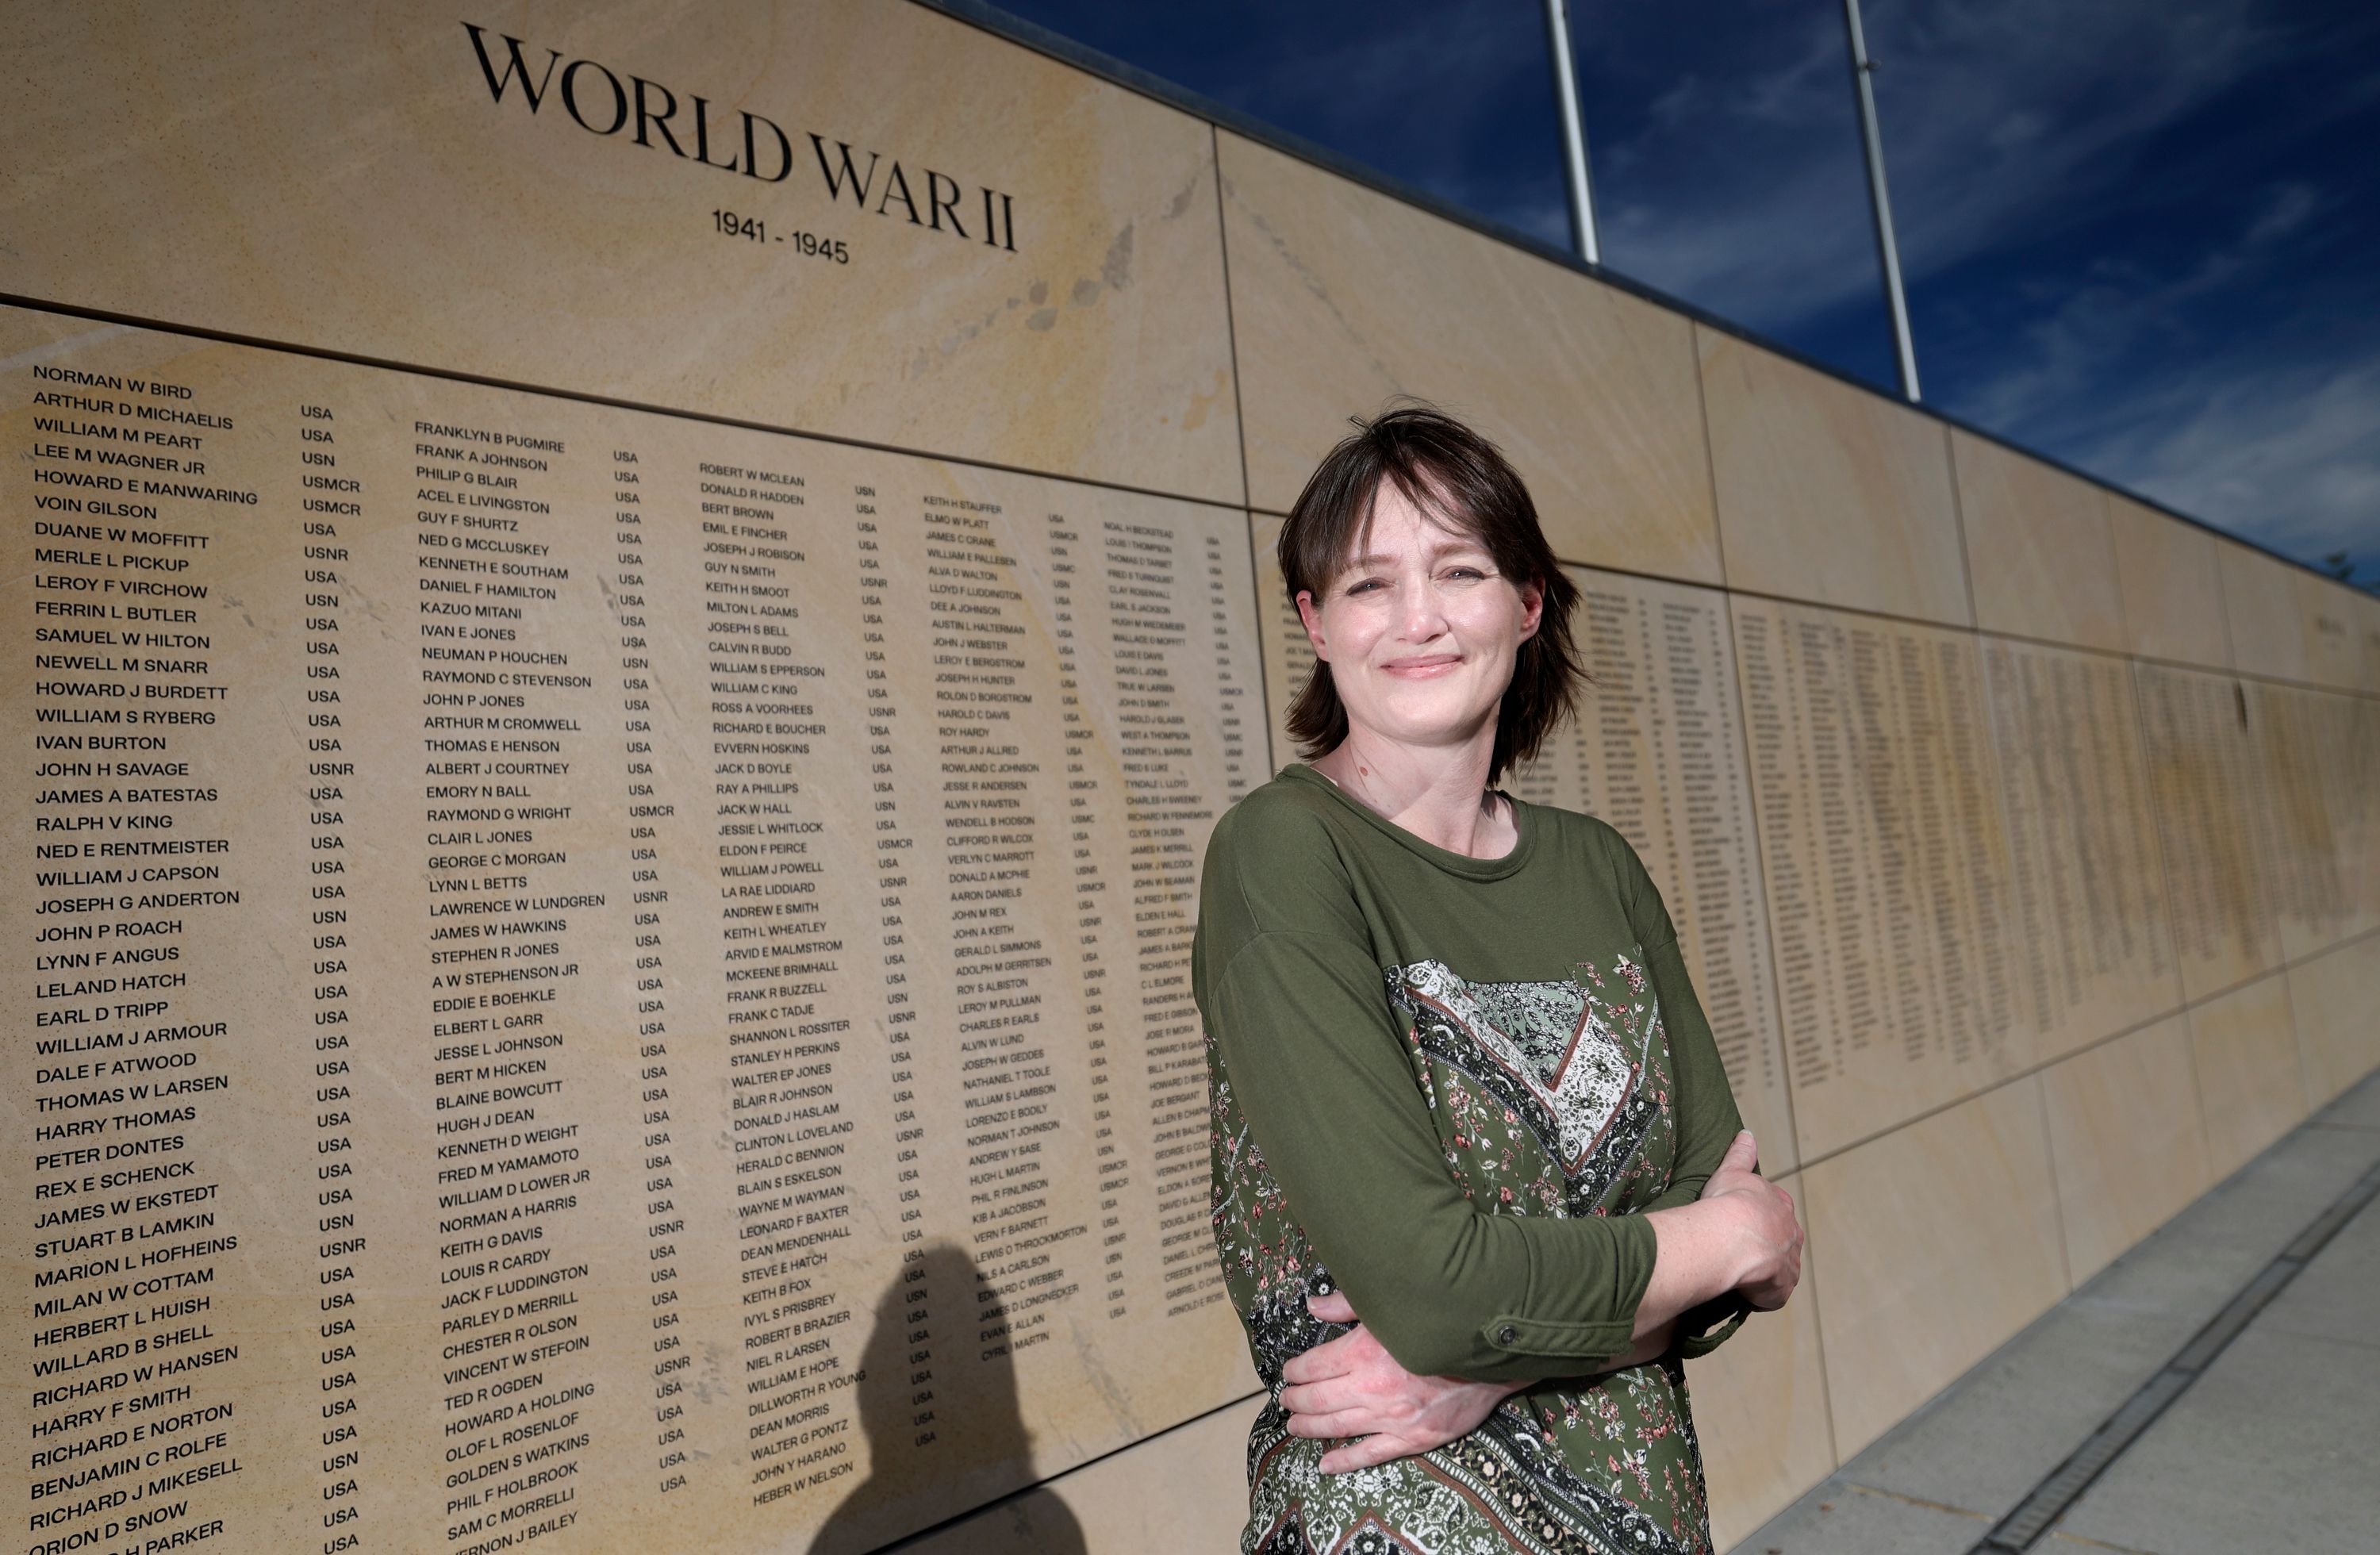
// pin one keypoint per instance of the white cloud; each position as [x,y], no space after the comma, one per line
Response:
[2287,456]
[2001,126]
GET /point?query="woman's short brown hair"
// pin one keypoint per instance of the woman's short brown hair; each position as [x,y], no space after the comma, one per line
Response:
[1460,479]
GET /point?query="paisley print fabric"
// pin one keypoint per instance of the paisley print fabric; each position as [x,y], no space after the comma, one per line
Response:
[1550,1098]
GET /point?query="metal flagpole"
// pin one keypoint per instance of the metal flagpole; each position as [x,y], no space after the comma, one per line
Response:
[1582,198]
[1861,67]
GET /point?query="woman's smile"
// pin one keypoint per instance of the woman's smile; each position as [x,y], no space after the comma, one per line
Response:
[1423,666]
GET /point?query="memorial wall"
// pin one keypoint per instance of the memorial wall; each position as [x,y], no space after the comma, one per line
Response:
[626,629]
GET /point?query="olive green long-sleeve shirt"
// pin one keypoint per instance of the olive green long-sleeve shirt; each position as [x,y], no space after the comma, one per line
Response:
[1450,1087]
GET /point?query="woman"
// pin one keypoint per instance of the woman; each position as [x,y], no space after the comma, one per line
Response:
[1479,1182]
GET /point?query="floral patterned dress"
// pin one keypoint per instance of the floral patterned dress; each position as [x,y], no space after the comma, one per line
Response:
[1585,1093]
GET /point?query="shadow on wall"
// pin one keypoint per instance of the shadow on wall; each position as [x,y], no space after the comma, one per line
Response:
[991,1429]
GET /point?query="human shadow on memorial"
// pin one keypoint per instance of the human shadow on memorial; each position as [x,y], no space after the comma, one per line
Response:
[906,1486]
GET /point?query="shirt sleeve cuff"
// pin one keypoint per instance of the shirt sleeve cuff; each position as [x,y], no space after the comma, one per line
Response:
[1704,1328]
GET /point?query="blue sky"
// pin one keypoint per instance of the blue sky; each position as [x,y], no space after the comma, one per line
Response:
[2141,235]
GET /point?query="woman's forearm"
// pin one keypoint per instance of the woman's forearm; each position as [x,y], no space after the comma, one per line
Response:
[1650,1344]
[1701,1252]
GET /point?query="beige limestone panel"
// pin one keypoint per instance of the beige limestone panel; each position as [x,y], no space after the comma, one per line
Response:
[2321,821]
[2367,627]
[2331,625]
[1892,902]
[1187,1489]
[1342,298]
[2095,944]
[1658,750]
[1288,652]
[1827,492]
[1760,1409]
[343,176]
[2127,1138]
[2172,596]
[2038,546]
[1938,1240]
[2293,625]
[2201,738]
[2334,997]
[2260,606]
[2251,1081]
[561,825]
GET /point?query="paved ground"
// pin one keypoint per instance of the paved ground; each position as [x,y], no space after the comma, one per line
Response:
[2274,1448]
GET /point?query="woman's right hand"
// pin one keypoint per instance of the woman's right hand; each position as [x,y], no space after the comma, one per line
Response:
[1769,1235]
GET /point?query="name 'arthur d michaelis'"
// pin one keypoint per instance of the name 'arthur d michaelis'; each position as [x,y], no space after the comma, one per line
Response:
[597,100]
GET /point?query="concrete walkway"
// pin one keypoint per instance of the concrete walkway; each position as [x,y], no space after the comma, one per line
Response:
[2274,1447]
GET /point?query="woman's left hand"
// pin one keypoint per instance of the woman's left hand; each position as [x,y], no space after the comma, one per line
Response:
[1352,1387]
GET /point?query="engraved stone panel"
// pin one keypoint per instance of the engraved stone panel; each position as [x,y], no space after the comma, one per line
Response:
[2038,546]
[2096,952]
[1827,492]
[630,969]
[1892,900]
[1658,750]
[874,223]
[1342,298]
[2214,830]
[603,907]
[1288,654]
[2315,751]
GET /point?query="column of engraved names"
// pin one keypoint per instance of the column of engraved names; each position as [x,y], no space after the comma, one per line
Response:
[1085,793]
[655,921]
[2034,844]
[500,729]
[1630,791]
[1228,656]
[984,707]
[2305,743]
[1203,1282]
[332,497]
[2071,793]
[2222,715]
[1653,753]
[1847,912]
[132,1365]
[1287,657]
[782,958]
[1199,1281]
[894,855]
[1970,925]
[1767,655]
[1163,815]
[1723,911]
[2266,845]
[1886,719]
[1930,712]
[2142,924]
[2188,818]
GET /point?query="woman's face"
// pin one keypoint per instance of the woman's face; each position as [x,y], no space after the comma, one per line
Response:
[1420,631]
